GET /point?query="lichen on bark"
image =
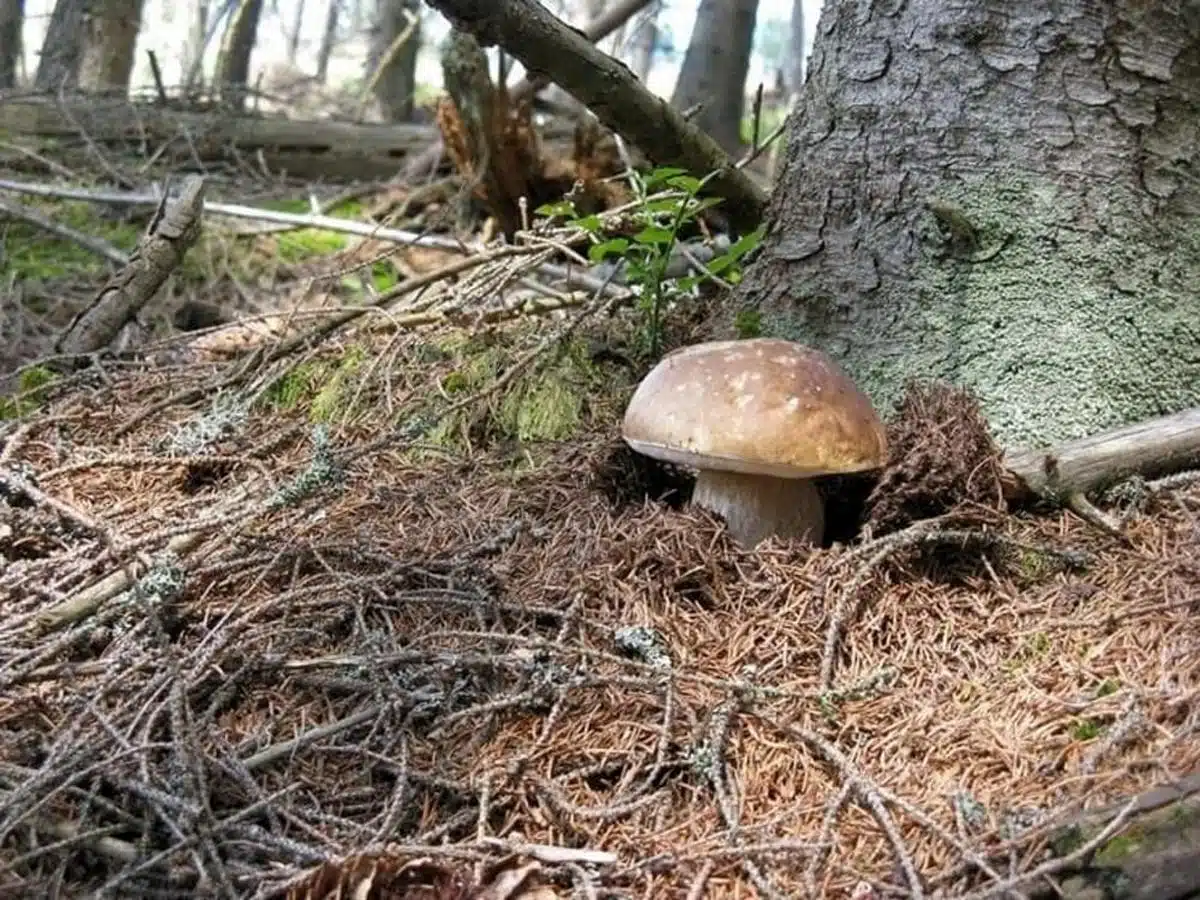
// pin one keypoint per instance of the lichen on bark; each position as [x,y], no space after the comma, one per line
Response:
[1066,140]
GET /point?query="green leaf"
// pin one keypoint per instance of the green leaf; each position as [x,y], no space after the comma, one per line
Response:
[611,247]
[719,264]
[687,283]
[660,176]
[561,208]
[663,205]
[747,242]
[684,183]
[654,235]
[590,224]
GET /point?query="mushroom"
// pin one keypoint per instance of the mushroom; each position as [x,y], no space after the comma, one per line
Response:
[759,419]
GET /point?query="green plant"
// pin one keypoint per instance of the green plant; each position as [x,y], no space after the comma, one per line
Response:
[32,387]
[666,200]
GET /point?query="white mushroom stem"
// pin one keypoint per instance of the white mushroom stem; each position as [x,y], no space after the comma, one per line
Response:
[757,506]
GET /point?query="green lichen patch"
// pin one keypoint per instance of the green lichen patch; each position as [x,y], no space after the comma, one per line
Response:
[1073,316]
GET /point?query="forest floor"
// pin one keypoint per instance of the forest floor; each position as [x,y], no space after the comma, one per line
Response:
[397,614]
[451,655]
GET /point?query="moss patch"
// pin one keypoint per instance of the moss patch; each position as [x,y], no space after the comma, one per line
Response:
[30,393]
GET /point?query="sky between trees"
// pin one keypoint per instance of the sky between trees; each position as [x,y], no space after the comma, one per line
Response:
[164,29]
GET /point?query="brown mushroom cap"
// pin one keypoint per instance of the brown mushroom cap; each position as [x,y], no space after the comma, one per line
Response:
[763,406]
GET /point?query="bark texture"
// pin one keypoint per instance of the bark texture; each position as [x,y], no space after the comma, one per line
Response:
[58,66]
[108,44]
[714,68]
[1001,195]
[395,84]
[12,19]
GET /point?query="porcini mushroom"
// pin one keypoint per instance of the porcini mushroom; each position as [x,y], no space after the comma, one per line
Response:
[759,419]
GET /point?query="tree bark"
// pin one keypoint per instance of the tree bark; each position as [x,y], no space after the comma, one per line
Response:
[12,20]
[328,40]
[1000,197]
[395,84]
[58,66]
[714,69]
[109,42]
[233,66]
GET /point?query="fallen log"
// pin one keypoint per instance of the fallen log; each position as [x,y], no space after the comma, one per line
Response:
[1155,856]
[306,149]
[1153,447]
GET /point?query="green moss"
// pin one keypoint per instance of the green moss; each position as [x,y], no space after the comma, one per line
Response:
[30,393]
[1085,730]
[323,386]
[1119,848]
[333,397]
[544,409]
[293,387]
[550,402]
[32,254]
[748,323]
[305,243]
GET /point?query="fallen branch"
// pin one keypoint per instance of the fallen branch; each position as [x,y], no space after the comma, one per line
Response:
[545,45]
[174,229]
[45,223]
[599,28]
[1155,446]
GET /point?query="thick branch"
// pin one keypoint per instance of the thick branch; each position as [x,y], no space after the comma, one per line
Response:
[1168,443]
[528,31]
[173,231]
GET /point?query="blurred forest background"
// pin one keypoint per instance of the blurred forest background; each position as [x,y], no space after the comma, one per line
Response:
[309,51]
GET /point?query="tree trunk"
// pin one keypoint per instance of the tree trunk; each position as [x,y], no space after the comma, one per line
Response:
[58,66]
[106,53]
[192,66]
[12,20]
[643,42]
[793,72]
[233,66]
[1000,196]
[714,68]
[328,40]
[396,83]
[293,47]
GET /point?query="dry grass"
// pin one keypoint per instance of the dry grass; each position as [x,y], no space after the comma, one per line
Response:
[441,642]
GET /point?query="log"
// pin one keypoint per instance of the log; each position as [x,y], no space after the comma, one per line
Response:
[1156,856]
[1153,447]
[301,148]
